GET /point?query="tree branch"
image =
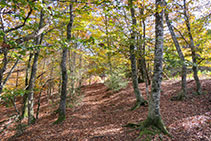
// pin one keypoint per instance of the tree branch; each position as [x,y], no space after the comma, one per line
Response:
[32,35]
[24,22]
[180,34]
[11,70]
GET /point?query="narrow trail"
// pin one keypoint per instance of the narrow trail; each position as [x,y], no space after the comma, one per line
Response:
[102,114]
[100,117]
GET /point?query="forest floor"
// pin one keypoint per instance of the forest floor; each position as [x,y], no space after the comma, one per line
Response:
[101,115]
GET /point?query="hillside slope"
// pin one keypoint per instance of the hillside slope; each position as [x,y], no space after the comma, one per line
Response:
[102,115]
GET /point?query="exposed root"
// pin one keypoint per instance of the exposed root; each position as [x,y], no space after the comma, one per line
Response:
[139,104]
[149,128]
[60,119]
[179,97]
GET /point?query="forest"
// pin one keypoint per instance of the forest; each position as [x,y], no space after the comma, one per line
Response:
[105,70]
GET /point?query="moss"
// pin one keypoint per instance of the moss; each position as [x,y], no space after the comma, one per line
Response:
[149,133]
[156,122]
[60,119]
[177,98]
[32,120]
[150,127]
[181,96]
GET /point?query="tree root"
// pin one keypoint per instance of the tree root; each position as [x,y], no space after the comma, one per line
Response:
[149,128]
[60,119]
[181,96]
[139,104]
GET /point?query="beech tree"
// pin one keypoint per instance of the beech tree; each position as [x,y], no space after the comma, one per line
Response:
[139,99]
[154,116]
[62,105]
[193,49]
[9,44]
[180,53]
[102,41]
[32,80]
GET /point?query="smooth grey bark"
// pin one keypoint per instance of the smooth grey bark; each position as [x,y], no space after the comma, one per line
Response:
[139,99]
[30,88]
[62,106]
[193,50]
[72,68]
[154,116]
[142,67]
[24,103]
[179,51]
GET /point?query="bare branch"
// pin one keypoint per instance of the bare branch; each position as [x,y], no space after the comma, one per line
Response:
[11,70]
[24,22]
[181,35]
[32,35]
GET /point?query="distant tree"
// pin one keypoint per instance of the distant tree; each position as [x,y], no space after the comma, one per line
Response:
[139,99]
[180,53]
[193,49]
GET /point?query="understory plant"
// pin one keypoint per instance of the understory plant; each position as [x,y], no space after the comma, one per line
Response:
[116,82]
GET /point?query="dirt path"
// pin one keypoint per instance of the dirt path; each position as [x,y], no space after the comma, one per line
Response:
[102,114]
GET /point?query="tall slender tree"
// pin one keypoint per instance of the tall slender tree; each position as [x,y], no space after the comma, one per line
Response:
[139,99]
[180,53]
[62,106]
[154,116]
[30,88]
[193,49]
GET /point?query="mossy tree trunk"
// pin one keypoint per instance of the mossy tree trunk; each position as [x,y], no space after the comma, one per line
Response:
[154,116]
[139,99]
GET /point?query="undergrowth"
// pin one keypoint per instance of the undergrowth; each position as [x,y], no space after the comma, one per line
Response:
[116,82]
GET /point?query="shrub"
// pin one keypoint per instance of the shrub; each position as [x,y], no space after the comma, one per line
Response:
[116,82]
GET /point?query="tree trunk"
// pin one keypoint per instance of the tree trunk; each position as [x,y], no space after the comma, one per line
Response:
[179,51]
[30,88]
[3,69]
[193,50]
[73,70]
[24,109]
[62,106]
[108,46]
[143,72]
[154,116]
[139,99]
